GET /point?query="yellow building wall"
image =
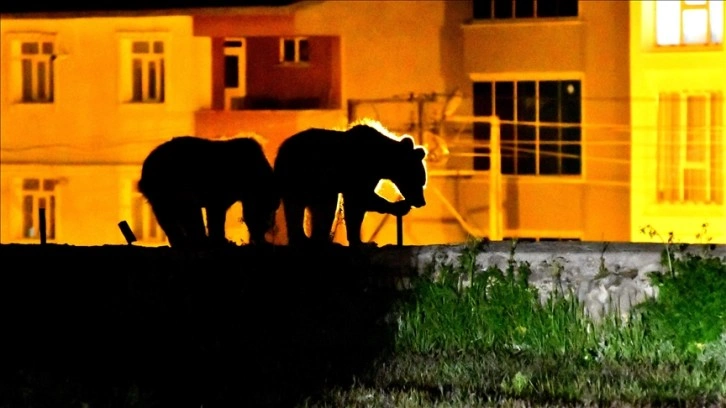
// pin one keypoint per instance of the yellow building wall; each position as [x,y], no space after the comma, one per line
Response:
[89,136]
[654,70]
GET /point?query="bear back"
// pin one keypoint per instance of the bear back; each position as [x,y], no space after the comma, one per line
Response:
[237,167]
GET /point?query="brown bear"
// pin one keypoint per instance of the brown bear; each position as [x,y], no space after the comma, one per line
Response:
[316,165]
[188,173]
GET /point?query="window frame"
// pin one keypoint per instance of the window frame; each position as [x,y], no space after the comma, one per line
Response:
[682,43]
[231,94]
[127,57]
[491,15]
[677,130]
[17,88]
[536,123]
[297,58]
[52,198]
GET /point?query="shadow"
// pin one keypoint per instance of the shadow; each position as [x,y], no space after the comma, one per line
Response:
[117,326]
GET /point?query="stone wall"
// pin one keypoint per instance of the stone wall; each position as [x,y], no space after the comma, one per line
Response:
[605,277]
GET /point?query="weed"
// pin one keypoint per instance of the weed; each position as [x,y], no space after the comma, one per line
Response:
[495,338]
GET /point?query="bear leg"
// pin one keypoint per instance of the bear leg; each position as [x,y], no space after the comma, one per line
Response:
[191,223]
[258,221]
[322,214]
[353,212]
[168,220]
[216,218]
[294,211]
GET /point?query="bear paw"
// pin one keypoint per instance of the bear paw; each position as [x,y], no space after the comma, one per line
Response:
[400,208]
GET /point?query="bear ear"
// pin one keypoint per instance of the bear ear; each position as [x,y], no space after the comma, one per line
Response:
[407,142]
[419,153]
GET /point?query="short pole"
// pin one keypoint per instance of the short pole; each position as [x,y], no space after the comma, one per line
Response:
[126,230]
[399,230]
[41,225]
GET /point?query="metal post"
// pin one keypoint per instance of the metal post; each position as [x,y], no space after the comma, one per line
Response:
[495,182]
[41,225]
[399,230]
[420,101]
[126,230]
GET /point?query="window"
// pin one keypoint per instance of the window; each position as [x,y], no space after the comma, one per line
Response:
[234,72]
[294,50]
[39,193]
[144,224]
[689,22]
[143,71]
[540,125]
[690,148]
[501,9]
[33,68]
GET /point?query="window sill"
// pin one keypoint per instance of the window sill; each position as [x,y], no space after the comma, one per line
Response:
[33,241]
[685,48]
[290,64]
[523,21]
[687,210]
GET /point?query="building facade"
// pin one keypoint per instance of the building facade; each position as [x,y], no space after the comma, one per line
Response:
[85,96]
[678,84]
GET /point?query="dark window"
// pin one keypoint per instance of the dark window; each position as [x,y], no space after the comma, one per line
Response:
[556,8]
[231,71]
[482,9]
[482,131]
[233,44]
[540,132]
[289,51]
[504,9]
[137,90]
[152,80]
[523,9]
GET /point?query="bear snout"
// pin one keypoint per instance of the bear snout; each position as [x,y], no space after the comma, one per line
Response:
[417,202]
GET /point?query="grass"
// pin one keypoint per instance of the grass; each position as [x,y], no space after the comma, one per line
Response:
[471,337]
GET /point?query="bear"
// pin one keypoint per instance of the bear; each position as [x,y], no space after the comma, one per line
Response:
[316,166]
[187,173]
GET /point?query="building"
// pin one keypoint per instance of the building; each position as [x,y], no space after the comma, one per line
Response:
[87,94]
[678,84]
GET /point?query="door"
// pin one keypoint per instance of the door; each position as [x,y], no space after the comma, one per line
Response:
[235,63]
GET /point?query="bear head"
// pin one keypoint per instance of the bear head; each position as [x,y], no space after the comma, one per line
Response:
[408,172]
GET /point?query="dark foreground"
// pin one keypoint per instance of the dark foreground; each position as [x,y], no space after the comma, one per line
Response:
[123,326]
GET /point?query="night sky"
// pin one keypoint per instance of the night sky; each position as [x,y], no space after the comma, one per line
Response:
[76,5]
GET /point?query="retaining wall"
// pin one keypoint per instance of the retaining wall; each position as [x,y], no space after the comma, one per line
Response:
[605,277]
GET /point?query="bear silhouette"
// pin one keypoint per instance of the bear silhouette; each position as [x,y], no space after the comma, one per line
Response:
[187,173]
[316,165]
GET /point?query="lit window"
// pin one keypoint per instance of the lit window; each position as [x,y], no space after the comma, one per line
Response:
[540,125]
[33,68]
[689,22]
[506,9]
[690,148]
[294,50]
[38,193]
[143,71]
[144,224]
